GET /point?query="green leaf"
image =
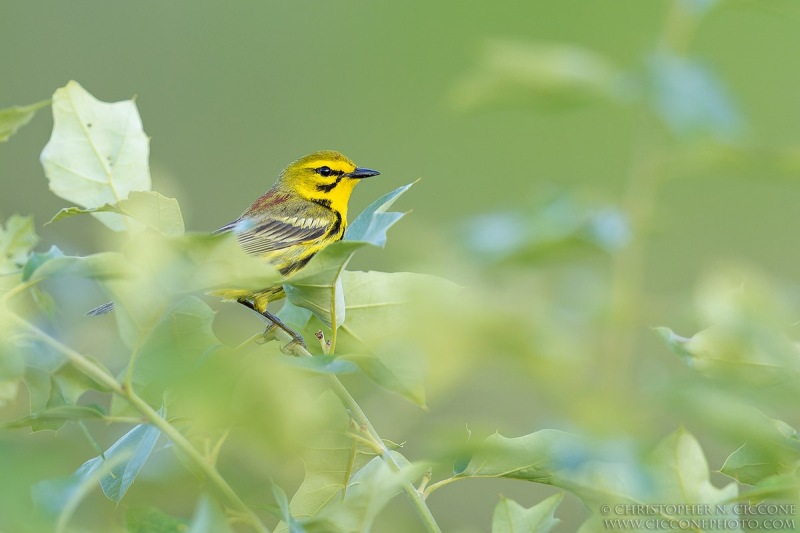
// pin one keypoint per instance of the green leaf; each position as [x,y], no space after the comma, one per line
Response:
[166,269]
[136,446]
[17,238]
[783,487]
[318,287]
[12,369]
[152,520]
[61,497]
[290,524]
[520,74]
[54,387]
[97,153]
[171,349]
[372,224]
[401,372]
[36,260]
[534,457]
[511,517]
[55,417]
[762,458]
[749,345]
[103,266]
[698,8]
[381,312]
[681,471]
[115,470]
[690,99]
[13,118]
[371,488]
[554,458]
[322,364]
[675,342]
[330,461]
[209,518]
[153,210]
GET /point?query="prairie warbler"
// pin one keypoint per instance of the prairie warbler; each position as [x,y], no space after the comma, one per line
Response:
[300,215]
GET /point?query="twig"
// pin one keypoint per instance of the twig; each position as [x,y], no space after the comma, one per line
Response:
[357,414]
[86,366]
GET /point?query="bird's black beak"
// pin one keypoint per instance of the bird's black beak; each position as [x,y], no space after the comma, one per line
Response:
[362,173]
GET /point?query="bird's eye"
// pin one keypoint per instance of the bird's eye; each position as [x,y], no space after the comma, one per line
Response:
[324,171]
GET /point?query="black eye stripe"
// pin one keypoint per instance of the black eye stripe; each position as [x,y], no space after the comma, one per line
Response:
[331,186]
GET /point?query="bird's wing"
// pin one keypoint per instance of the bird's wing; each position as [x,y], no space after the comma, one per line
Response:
[258,236]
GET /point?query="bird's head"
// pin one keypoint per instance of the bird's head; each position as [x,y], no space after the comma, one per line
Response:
[325,175]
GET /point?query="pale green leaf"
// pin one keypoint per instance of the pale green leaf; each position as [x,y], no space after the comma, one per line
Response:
[318,287]
[698,8]
[171,348]
[152,520]
[764,457]
[370,489]
[511,517]
[330,461]
[115,470]
[535,75]
[17,238]
[97,153]
[13,118]
[54,387]
[381,311]
[55,417]
[372,224]
[399,371]
[61,497]
[289,523]
[165,268]
[750,344]
[153,210]
[675,342]
[679,467]
[691,100]
[322,364]
[35,260]
[593,525]
[136,446]
[559,459]
[12,369]
[781,487]
[209,518]
[103,266]
[534,457]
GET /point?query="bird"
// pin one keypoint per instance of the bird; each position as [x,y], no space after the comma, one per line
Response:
[302,213]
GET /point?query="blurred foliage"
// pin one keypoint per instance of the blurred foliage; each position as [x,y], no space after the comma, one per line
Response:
[555,346]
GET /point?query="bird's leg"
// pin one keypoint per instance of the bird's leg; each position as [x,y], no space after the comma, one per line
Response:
[276,323]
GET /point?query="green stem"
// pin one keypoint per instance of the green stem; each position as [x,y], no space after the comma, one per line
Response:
[639,202]
[86,366]
[628,266]
[361,419]
[433,486]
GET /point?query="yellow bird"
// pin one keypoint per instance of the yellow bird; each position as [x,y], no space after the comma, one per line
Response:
[300,215]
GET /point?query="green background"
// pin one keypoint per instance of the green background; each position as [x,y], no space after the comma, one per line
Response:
[231,92]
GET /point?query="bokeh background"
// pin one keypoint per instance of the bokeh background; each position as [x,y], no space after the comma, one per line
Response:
[585,169]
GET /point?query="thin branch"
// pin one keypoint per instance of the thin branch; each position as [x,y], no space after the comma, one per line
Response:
[89,368]
[357,414]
